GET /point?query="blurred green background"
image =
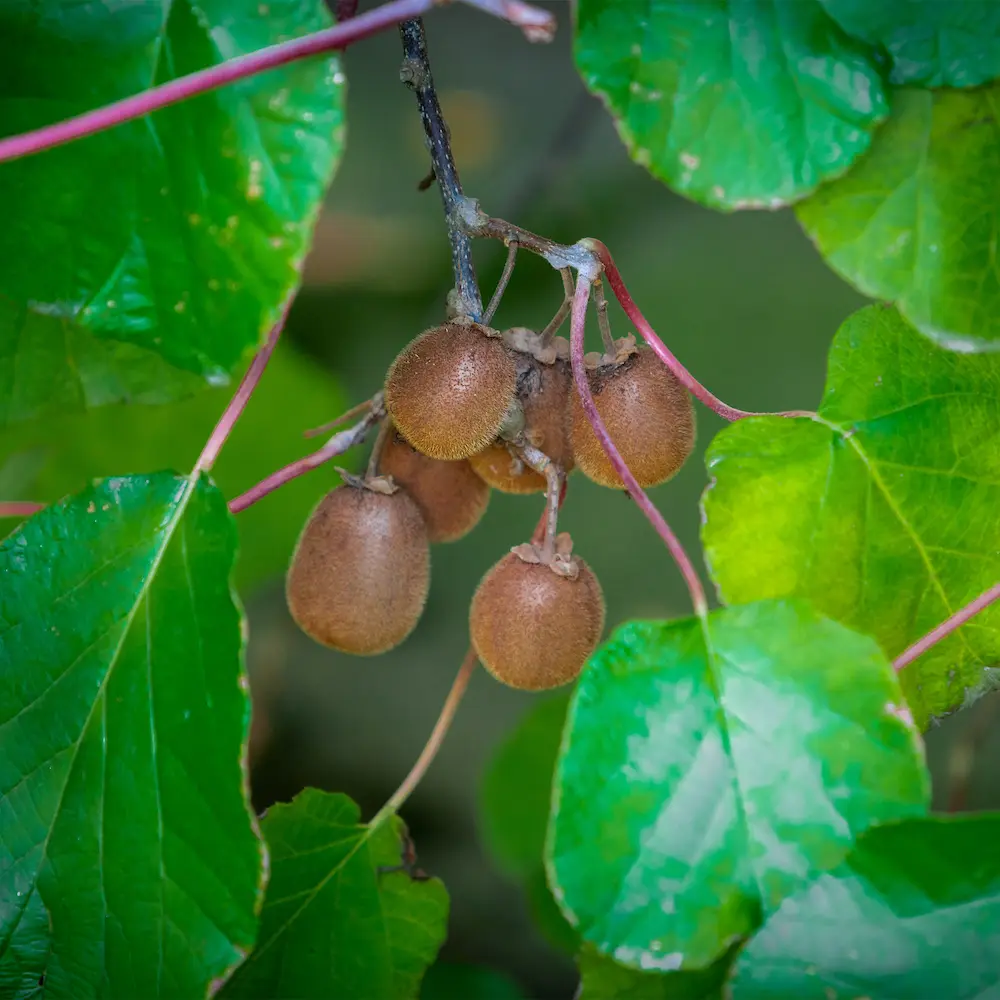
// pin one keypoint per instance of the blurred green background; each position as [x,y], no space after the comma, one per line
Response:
[743,300]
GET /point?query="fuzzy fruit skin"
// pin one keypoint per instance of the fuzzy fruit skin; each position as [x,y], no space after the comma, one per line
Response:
[451,497]
[448,390]
[532,629]
[649,415]
[359,576]
[543,391]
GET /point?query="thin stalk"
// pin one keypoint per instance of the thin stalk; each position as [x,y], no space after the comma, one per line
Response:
[362,407]
[948,626]
[578,318]
[554,478]
[241,397]
[376,455]
[434,741]
[508,270]
[552,327]
[19,508]
[601,304]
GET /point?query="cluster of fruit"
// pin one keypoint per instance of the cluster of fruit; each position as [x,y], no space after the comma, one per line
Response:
[470,408]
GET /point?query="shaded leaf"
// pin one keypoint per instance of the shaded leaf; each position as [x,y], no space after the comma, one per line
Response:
[881,510]
[931,43]
[917,220]
[604,979]
[913,912]
[709,771]
[453,981]
[514,800]
[181,234]
[735,103]
[123,721]
[333,925]
[294,394]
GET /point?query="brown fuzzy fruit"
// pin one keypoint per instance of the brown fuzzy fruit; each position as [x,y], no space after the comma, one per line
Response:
[359,576]
[451,497]
[448,391]
[533,628]
[648,414]
[543,391]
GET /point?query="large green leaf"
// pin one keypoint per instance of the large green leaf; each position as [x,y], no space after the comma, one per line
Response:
[514,801]
[181,234]
[932,43]
[881,510]
[917,220]
[129,865]
[294,394]
[709,770]
[735,103]
[914,913]
[601,978]
[335,926]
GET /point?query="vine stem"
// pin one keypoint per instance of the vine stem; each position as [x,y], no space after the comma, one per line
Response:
[340,442]
[434,741]
[241,397]
[536,24]
[659,348]
[578,317]
[19,508]
[946,627]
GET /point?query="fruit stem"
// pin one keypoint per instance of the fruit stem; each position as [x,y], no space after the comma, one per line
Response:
[578,319]
[554,478]
[601,304]
[562,312]
[340,442]
[434,741]
[415,73]
[376,455]
[948,626]
[241,397]
[508,269]
[362,407]
[19,508]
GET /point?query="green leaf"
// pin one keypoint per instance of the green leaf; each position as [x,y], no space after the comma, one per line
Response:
[604,979]
[452,981]
[917,221]
[931,43]
[181,234]
[881,510]
[125,837]
[735,103]
[514,800]
[333,925]
[913,912]
[293,395]
[710,770]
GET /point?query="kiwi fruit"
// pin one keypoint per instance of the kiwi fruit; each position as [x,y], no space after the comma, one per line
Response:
[359,576]
[449,390]
[543,392]
[451,497]
[533,625]
[649,415]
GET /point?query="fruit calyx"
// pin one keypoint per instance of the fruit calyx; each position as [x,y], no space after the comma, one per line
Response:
[625,347]
[558,557]
[546,350]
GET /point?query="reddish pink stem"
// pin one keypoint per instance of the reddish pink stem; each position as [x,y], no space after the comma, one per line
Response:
[659,348]
[337,445]
[242,396]
[948,626]
[19,508]
[578,318]
[534,22]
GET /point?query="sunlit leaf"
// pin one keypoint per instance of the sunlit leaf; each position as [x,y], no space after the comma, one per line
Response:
[932,43]
[916,222]
[338,921]
[735,103]
[125,838]
[604,979]
[710,770]
[181,234]
[881,510]
[913,912]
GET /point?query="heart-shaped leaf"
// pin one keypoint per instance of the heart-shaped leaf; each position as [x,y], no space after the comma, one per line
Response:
[710,769]
[917,221]
[129,865]
[601,978]
[881,510]
[340,918]
[735,103]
